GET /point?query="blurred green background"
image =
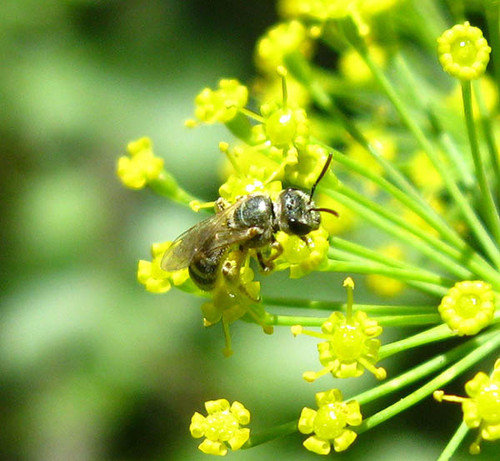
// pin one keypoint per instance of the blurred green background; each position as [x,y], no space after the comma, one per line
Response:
[92,367]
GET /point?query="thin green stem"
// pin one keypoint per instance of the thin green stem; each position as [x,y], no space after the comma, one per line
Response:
[385,321]
[454,156]
[380,309]
[432,335]
[271,434]
[476,349]
[492,11]
[401,321]
[395,226]
[489,137]
[167,186]
[457,249]
[468,213]
[454,442]
[350,251]
[300,68]
[425,212]
[393,272]
[489,209]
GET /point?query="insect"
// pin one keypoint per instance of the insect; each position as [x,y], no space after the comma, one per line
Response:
[249,223]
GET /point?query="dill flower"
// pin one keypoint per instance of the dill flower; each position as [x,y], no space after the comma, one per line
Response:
[482,409]
[280,40]
[155,279]
[140,166]
[329,423]
[463,51]
[302,255]
[220,105]
[468,307]
[221,427]
[350,345]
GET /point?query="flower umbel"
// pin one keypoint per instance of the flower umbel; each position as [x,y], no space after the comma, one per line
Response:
[329,423]
[463,51]
[220,105]
[482,409]
[468,307]
[350,345]
[221,427]
[140,166]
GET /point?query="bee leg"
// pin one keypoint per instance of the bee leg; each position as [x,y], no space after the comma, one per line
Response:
[231,270]
[267,265]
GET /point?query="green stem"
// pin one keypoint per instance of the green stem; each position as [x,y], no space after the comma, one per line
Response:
[300,68]
[166,186]
[477,348]
[352,251]
[468,213]
[385,321]
[271,434]
[380,309]
[492,11]
[449,147]
[393,272]
[426,213]
[457,249]
[489,137]
[432,335]
[454,442]
[401,321]
[490,211]
[395,226]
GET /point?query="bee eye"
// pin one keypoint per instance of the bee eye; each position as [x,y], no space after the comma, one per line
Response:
[298,227]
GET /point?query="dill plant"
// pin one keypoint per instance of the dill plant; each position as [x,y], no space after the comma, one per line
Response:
[409,114]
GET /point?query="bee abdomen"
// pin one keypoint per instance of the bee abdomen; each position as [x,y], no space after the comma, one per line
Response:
[205,269]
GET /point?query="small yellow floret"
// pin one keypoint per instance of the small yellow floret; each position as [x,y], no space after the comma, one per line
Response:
[468,307]
[302,255]
[482,409]
[221,427]
[463,51]
[329,423]
[140,166]
[220,105]
[280,40]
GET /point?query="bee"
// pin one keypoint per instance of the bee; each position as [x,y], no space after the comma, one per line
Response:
[249,223]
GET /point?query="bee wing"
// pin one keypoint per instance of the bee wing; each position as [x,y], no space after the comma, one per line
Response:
[211,234]
[180,254]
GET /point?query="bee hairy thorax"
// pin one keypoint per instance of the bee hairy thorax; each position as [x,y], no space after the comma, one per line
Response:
[256,211]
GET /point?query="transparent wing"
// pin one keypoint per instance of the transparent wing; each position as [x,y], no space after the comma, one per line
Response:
[211,234]
[180,254]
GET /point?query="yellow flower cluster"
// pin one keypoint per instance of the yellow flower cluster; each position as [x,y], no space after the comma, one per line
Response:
[140,166]
[221,427]
[463,51]
[482,409]
[329,423]
[350,345]
[468,307]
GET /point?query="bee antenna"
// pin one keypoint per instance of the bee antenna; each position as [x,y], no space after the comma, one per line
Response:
[326,210]
[321,175]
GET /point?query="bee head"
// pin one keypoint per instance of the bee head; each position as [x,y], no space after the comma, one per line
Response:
[297,213]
